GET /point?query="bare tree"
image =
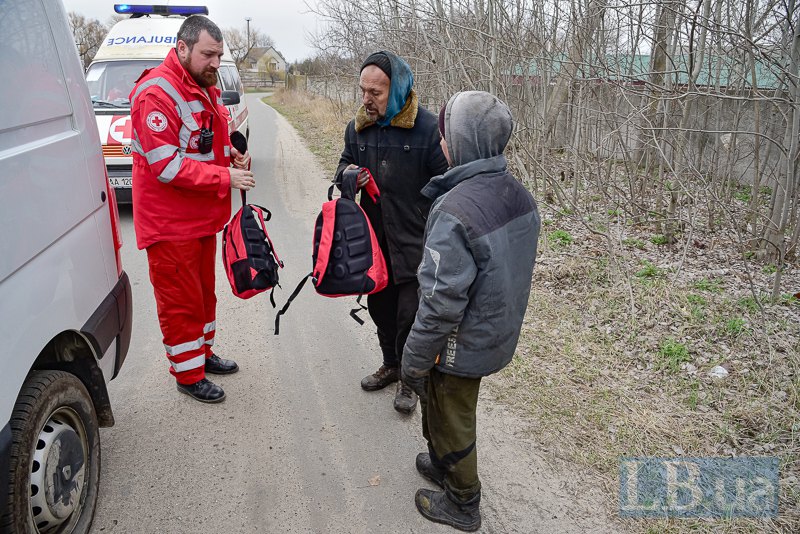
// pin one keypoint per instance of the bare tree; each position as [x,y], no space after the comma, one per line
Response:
[89,35]
[664,109]
[240,45]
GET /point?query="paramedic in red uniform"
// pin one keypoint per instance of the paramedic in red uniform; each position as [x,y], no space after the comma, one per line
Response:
[182,182]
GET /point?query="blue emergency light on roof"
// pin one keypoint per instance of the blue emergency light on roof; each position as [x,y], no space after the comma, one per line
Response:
[130,9]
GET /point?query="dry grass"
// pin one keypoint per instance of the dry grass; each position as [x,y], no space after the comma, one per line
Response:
[616,349]
[319,120]
[615,355]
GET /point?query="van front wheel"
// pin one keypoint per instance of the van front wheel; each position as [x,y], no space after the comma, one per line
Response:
[55,457]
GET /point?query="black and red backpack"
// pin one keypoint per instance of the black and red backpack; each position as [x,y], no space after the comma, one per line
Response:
[248,254]
[347,259]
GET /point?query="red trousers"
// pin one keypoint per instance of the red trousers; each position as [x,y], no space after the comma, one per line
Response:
[182,273]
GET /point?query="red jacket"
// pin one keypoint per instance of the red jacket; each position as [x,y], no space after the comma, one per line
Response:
[178,193]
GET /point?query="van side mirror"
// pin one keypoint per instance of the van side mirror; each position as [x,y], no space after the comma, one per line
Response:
[230,98]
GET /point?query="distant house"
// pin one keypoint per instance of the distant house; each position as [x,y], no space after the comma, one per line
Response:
[264,59]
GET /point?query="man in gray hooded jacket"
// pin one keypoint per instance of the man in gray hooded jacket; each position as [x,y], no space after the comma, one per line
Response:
[475,280]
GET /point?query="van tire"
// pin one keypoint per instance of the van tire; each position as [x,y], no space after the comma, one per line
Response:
[53,407]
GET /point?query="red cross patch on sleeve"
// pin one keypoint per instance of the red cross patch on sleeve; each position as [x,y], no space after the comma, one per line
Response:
[156,121]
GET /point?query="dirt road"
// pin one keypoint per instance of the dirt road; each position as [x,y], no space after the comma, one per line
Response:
[297,446]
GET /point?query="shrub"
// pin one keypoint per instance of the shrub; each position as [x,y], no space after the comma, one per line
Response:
[560,238]
[672,354]
[648,270]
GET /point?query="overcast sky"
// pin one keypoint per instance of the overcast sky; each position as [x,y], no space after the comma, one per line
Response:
[286,21]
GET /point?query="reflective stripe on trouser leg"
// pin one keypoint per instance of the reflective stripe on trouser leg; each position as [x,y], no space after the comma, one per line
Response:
[207,280]
[450,425]
[180,305]
[186,356]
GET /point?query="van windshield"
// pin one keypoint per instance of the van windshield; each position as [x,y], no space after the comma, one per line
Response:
[111,82]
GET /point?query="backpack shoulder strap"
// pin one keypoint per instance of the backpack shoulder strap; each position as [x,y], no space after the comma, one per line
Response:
[326,241]
[289,301]
[355,311]
[261,210]
[348,184]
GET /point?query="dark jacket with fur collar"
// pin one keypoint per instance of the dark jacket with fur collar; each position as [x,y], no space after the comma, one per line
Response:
[402,157]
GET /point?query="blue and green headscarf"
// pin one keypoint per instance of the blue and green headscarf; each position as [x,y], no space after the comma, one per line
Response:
[401,79]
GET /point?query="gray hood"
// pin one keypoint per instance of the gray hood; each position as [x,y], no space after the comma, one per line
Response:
[477,125]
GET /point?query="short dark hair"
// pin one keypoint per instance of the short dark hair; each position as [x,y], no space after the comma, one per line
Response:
[193,26]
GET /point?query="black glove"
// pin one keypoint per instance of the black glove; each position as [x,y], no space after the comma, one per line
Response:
[419,384]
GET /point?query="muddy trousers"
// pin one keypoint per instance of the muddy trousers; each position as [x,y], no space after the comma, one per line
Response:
[393,311]
[448,425]
[182,274]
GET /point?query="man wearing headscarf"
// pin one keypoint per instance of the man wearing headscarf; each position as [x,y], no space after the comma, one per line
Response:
[398,142]
[475,279]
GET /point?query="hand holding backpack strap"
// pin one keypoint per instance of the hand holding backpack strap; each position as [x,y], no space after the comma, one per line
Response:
[349,184]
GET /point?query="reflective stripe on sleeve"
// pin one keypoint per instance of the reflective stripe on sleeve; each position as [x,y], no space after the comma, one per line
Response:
[177,350]
[162,152]
[172,169]
[227,151]
[188,365]
[135,144]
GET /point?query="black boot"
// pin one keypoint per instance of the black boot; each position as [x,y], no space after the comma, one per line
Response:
[218,366]
[437,506]
[203,390]
[405,400]
[432,472]
[380,378]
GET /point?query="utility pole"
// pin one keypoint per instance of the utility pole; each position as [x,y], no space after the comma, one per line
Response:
[248,33]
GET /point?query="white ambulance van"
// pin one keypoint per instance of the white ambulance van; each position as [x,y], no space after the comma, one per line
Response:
[65,301]
[133,45]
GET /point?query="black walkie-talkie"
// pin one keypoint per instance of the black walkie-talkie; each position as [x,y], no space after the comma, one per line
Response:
[206,141]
